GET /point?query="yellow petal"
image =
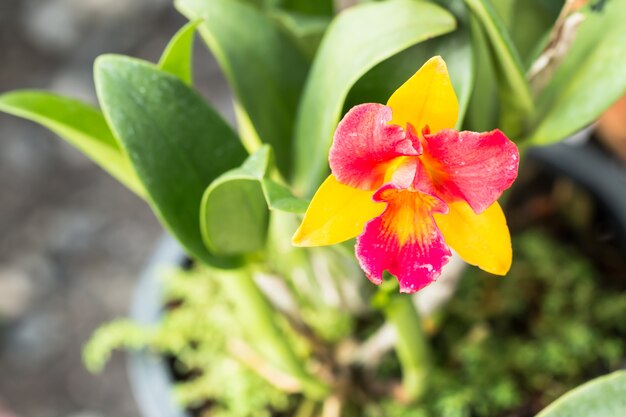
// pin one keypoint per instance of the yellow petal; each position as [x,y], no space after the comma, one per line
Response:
[427,98]
[480,239]
[337,212]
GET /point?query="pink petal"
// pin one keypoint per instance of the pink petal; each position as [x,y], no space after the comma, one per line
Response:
[469,166]
[365,146]
[404,239]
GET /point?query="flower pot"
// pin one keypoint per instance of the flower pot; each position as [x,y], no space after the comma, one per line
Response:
[151,377]
[593,169]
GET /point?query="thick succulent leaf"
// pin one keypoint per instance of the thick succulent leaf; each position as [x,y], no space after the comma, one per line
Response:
[233,215]
[234,212]
[517,101]
[590,78]
[82,125]
[600,397]
[357,40]
[263,65]
[177,56]
[176,142]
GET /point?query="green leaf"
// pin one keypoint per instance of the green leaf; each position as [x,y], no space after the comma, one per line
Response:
[233,215]
[234,212]
[279,198]
[176,142]
[455,48]
[531,23]
[484,106]
[315,7]
[601,397]
[177,56]
[517,101]
[589,79]
[307,30]
[263,65]
[357,40]
[81,125]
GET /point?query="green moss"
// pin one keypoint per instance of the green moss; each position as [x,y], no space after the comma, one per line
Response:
[502,347]
[196,332]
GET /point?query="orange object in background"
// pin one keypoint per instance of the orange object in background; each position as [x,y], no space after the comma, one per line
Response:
[612,128]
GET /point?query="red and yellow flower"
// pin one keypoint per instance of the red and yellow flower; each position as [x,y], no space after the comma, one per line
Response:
[409,187]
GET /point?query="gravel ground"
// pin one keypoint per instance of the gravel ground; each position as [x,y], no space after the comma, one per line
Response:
[72,240]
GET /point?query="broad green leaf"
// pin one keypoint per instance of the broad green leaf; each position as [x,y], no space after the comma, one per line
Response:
[277,196]
[233,215]
[307,30]
[589,79]
[484,106]
[600,397]
[531,23]
[176,142]
[177,56]
[263,65]
[504,9]
[357,40]
[379,83]
[517,101]
[82,125]
[315,7]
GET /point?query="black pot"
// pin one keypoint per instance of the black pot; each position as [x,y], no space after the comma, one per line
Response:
[588,165]
[151,379]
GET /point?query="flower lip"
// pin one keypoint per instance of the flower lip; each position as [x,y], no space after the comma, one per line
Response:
[404,239]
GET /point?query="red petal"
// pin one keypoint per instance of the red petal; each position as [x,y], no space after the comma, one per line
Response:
[365,145]
[404,239]
[469,166]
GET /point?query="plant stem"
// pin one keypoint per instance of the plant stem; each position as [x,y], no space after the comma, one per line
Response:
[411,344]
[259,321]
[307,408]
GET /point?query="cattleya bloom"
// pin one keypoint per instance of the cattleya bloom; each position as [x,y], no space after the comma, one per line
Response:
[409,187]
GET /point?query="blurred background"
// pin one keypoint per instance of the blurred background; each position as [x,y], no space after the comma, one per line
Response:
[72,240]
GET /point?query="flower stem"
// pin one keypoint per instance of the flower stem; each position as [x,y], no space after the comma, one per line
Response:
[411,344]
[259,322]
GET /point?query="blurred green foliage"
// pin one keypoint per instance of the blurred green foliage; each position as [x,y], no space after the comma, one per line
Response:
[194,332]
[503,346]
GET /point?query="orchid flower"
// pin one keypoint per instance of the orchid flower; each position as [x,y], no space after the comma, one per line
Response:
[409,187]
